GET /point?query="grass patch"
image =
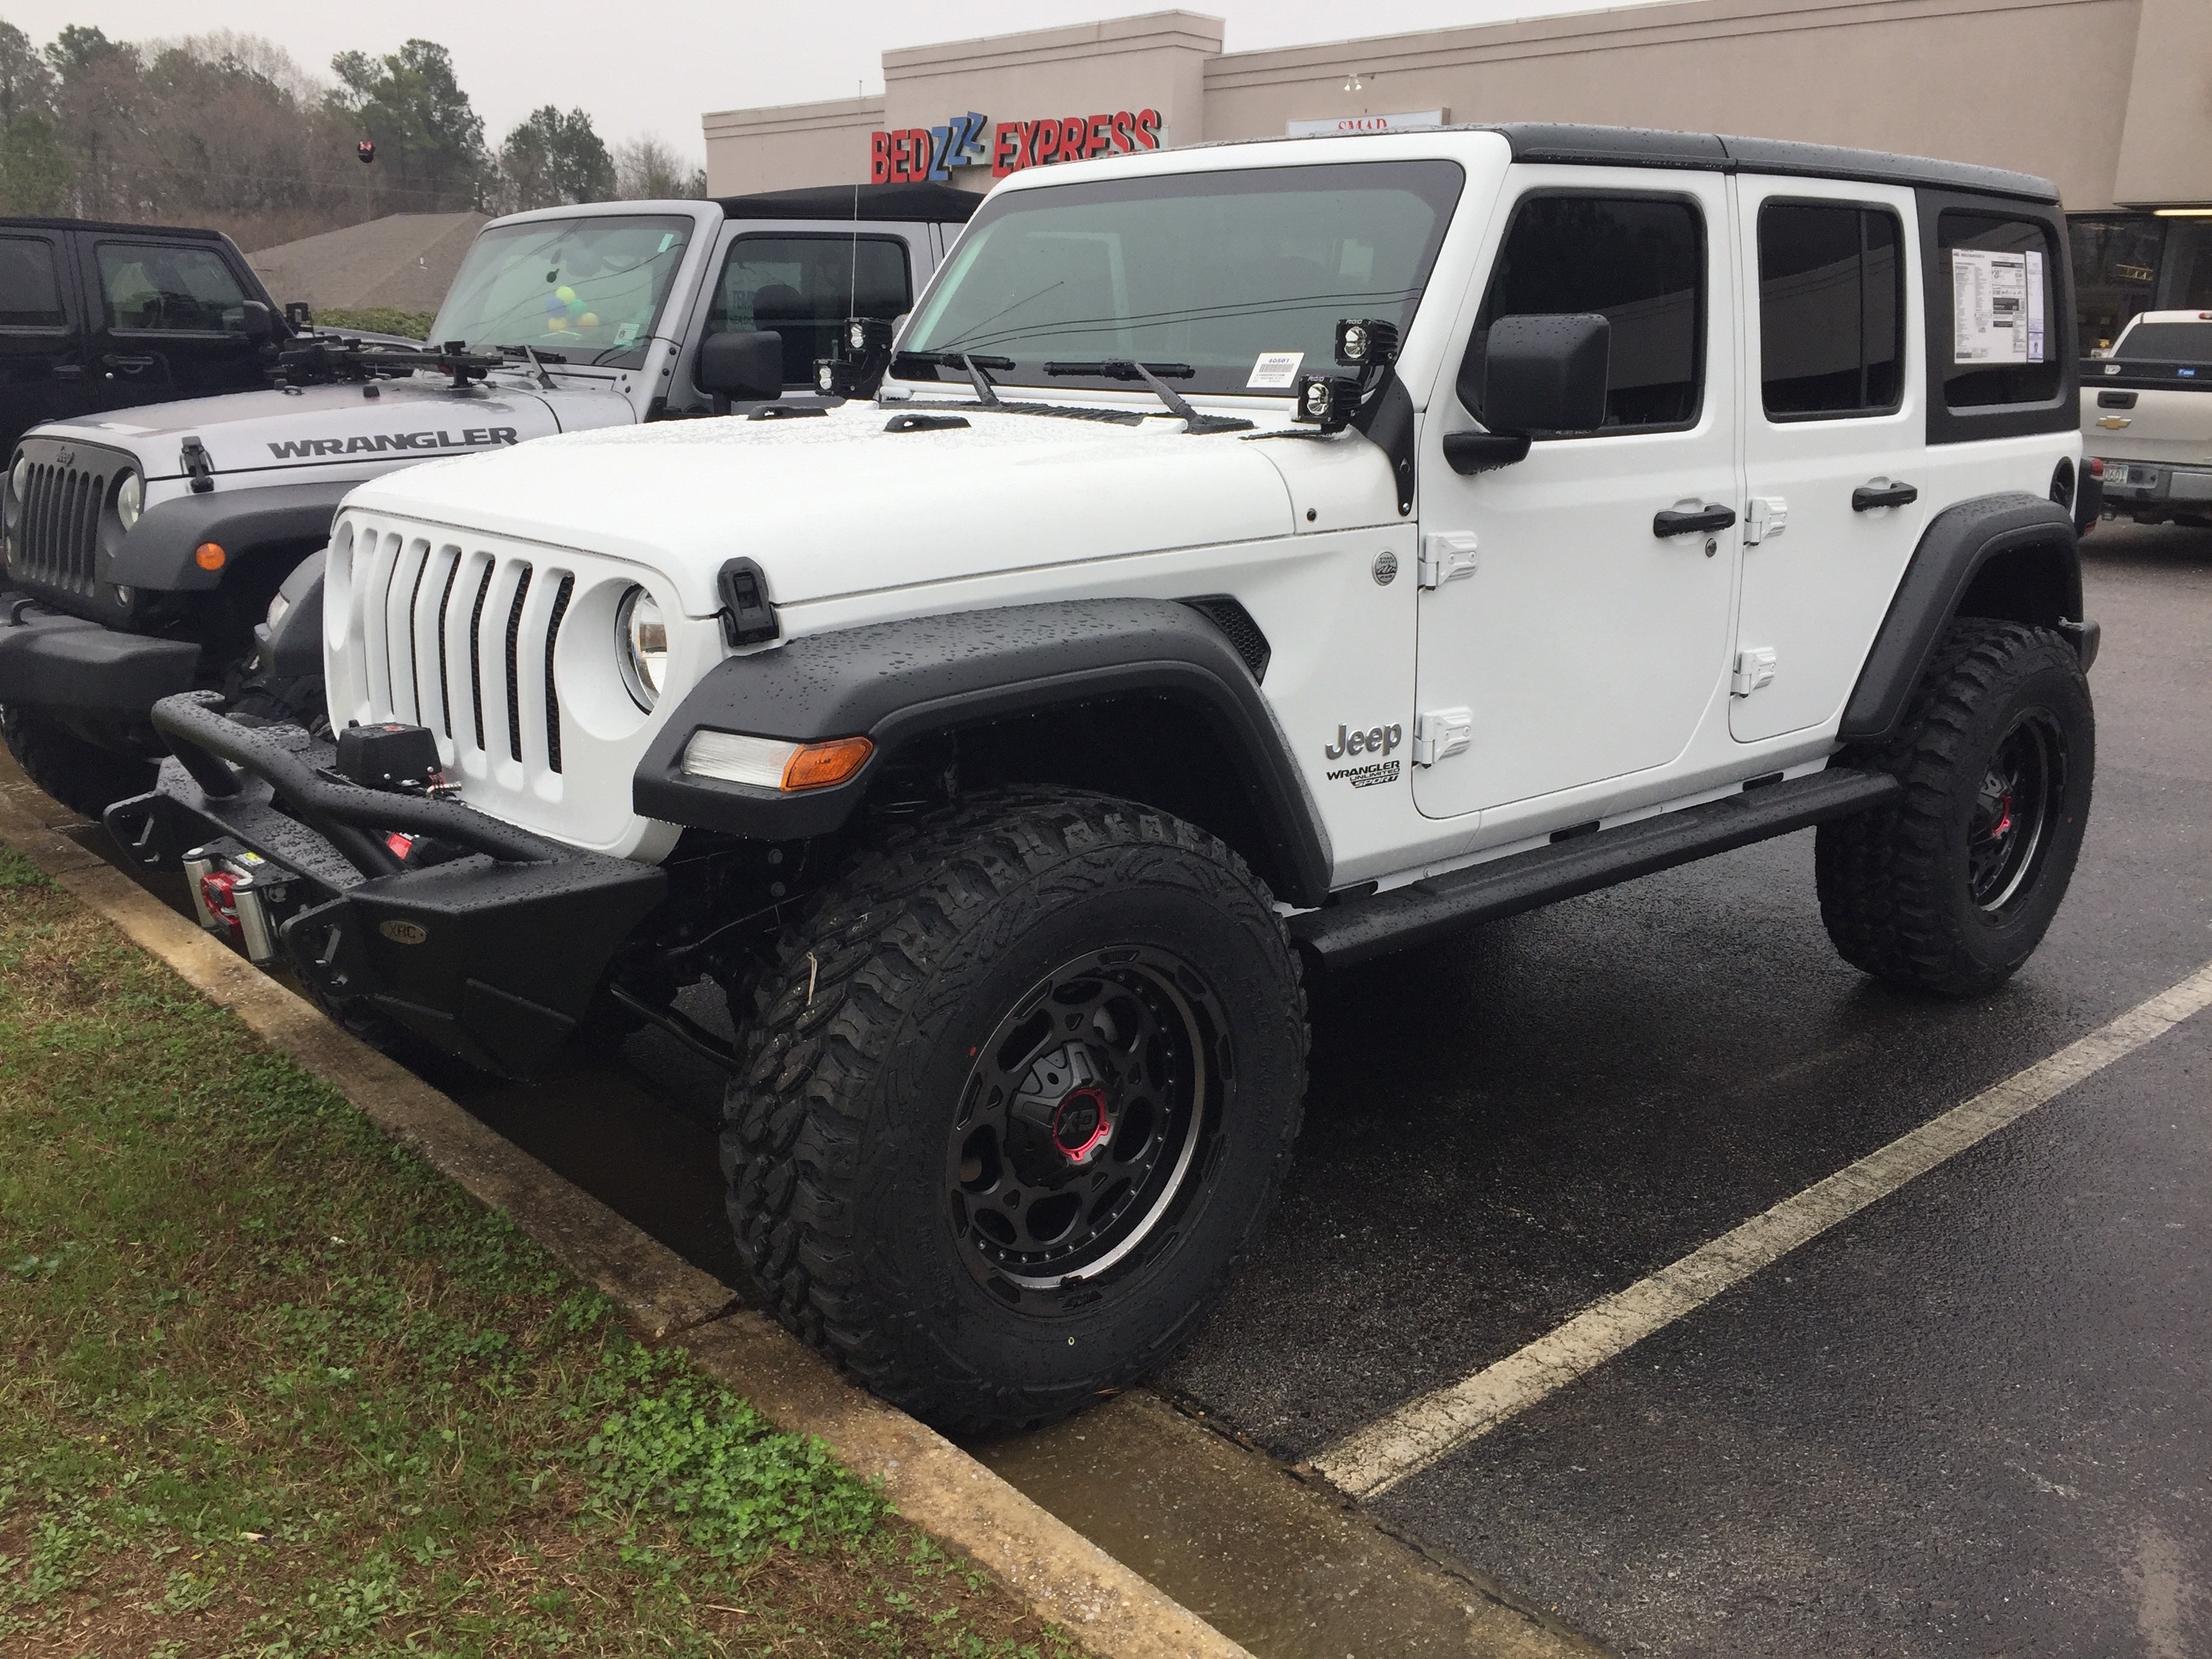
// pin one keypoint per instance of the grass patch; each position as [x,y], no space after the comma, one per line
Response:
[268,1385]
[378,319]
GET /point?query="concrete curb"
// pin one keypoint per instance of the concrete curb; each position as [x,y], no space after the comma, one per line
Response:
[1060,1574]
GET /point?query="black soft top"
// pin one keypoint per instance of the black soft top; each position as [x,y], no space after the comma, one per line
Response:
[1711,152]
[943,203]
[198,233]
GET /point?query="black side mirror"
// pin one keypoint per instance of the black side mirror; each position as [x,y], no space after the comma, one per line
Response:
[744,367]
[256,320]
[1547,375]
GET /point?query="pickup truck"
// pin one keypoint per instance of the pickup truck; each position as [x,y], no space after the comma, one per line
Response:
[2146,419]
[171,547]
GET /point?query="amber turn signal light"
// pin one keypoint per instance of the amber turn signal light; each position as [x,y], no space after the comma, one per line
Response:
[209,555]
[819,765]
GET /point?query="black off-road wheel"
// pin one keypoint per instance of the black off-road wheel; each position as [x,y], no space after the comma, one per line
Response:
[1951,888]
[1016,1099]
[80,775]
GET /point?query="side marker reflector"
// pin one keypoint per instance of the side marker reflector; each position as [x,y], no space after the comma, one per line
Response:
[820,765]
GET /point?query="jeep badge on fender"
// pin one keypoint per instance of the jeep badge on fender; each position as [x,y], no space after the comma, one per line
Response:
[954,735]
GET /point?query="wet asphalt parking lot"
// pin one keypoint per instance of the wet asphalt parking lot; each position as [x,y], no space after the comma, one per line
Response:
[1972,1419]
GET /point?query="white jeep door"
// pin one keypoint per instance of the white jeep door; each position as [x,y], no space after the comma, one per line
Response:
[1834,428]
[1565,640]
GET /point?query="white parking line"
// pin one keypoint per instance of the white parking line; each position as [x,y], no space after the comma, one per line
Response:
[1369,1462]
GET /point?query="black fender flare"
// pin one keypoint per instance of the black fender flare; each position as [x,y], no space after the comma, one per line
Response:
[896,681]
[1959,544]
[157,554]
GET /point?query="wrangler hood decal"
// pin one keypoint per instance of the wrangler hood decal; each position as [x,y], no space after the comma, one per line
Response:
[309,432]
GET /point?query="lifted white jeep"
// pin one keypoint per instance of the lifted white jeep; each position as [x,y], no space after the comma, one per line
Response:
[1259,557]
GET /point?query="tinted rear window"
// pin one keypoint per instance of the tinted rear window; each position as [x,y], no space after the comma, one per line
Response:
[2168,343]
[30,294]
[1830,310]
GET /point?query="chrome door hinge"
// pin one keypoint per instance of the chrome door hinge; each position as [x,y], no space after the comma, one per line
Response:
[1440,732]
[1764,517]
[1753,669]
[1446,558]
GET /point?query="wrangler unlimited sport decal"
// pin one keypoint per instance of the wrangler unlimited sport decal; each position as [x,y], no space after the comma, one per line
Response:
[292,449]
[1377,740]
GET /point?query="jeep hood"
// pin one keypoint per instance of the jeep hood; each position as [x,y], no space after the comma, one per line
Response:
[272,431]
[838,503]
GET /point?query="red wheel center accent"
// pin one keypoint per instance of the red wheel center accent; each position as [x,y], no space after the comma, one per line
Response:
[2004,816]
[1080,1126]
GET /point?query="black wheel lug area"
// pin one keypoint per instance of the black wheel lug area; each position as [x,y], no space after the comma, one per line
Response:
[1062,1118]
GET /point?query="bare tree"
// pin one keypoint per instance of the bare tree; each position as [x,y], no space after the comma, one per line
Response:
[649,170]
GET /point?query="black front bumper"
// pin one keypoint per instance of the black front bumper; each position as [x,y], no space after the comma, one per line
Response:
[85,674]
[492,956]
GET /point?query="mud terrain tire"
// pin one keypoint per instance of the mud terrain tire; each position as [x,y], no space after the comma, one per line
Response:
[1949,888]
[907,1226]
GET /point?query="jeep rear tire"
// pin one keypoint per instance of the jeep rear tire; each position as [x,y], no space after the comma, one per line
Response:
[1016,1099]
[82,776]
[1950,888]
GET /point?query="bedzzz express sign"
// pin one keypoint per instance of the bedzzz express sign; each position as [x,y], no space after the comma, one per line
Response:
[916,156]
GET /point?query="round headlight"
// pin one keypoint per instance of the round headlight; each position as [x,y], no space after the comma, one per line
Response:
[642,646]
[131,499]
[19,480]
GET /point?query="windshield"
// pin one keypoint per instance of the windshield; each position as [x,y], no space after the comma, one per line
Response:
[2169,342]
[588,289]
[1215,270]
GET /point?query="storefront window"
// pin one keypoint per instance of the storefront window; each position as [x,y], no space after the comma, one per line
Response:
[2116,260]
[1211,270]
[588,290]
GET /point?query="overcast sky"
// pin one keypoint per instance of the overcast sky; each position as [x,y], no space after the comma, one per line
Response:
[641,66]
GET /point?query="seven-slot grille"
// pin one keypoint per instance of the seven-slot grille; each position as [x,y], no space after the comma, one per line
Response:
[57,533]
[462,639]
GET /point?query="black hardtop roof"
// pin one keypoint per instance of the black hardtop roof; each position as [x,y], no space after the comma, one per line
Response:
[1655,146]
[944,203]
[199,232]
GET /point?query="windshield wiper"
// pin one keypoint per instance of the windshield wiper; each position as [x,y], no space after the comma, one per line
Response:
[973,365]
[1121,368]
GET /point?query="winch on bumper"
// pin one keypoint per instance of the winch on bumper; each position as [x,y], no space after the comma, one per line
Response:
[491,953]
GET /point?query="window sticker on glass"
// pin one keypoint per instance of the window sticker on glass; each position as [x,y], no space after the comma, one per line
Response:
[1275,371]
[625,334]
[1997,307]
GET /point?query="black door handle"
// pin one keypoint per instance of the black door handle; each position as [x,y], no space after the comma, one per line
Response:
[128,365]
[69,371]
[1705,519]
[1867,497]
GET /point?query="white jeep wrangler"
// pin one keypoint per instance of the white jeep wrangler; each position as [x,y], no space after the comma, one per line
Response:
[1260,557]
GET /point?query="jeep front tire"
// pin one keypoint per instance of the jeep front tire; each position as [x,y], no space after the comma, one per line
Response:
[1951,887]
[1015,1102]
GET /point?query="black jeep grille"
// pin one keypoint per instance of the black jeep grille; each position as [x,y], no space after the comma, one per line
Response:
[55,536]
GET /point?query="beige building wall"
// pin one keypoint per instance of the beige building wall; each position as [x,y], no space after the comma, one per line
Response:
[2165,152]
[790,145]
[2112,99]
[2038,85]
